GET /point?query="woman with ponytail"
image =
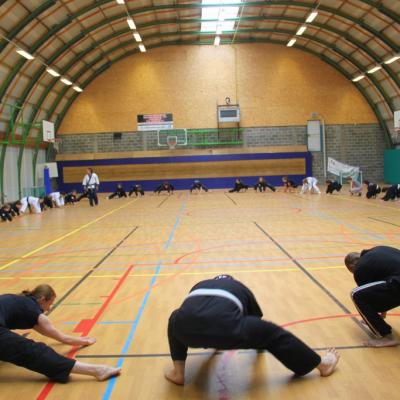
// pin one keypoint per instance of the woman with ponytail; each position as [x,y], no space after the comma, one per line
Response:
[27,311]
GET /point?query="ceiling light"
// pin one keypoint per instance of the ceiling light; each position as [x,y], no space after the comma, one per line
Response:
[217,40]
[66,81]
[358,78]
[25,54]
[77,88]
[137,37]
[372,70]
[121,1]
[311,17]
[301,30]
[52,72]
[131,23]
[142,48]
[393,59]
[291,43]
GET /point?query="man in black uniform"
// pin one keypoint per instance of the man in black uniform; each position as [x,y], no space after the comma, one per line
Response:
[165,186]
[222,313]
[136,189]
[26,311]
[70,198]
[288,184]
[372,189]
[377,274]
[262,185]
[119,191]
[5,213]
[331,186]
[238,186]
[391,192]
[15,207]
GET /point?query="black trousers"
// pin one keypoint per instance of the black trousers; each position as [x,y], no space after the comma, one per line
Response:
[262,187]
[244,333]
[136,191]
[35,356]
[83,195]
[6,216]
[198,186]
[373,192]
[115,194]
[332,187]
[92,195]
[375,298]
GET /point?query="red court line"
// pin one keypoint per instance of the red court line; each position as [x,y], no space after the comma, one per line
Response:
[325,317]
[85,326]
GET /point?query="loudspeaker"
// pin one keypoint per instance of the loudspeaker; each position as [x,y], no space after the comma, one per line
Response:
[117,136]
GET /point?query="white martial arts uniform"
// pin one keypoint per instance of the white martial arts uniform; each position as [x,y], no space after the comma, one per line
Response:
[57,198]
[31,201]
[91,181]
[311,183]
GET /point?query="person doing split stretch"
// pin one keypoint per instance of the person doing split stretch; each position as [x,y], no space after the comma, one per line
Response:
[391,192]
[165,187]
[5,213]
[222,313]
[262,185]
[377,274]
[119,191]
[238,186]
[26,311]
[372,189]
[197,185]
[332,186]
[137,189]
[91,185]
[288,184]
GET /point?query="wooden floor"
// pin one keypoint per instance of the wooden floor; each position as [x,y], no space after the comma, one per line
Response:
[120,269]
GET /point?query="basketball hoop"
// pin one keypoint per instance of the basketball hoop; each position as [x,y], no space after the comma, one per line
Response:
[172,142]
[56,142]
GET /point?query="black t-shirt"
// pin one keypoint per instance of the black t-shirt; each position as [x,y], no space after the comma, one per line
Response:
[380,263]
[18,312]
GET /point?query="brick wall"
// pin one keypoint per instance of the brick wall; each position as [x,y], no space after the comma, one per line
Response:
[361,145]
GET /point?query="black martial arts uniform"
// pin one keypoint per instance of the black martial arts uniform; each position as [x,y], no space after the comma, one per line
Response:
[391,192]
[198,186]
[70,198]
[14,208]
[238,187]
[120,192]
[373,190]
[332,186]
[262,185]
[46,202]
[167,187]
[83,195]
[22,312]
[136,189]
[377,274]
[288,183]
[5,213]
[212,321]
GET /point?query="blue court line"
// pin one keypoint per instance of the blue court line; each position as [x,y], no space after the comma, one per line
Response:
[128,342]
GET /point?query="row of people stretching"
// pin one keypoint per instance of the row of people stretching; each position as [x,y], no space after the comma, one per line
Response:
[373,189]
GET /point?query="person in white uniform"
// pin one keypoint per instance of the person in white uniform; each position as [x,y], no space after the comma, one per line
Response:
[57,199]
[310,184]
[91,185]
[33,203]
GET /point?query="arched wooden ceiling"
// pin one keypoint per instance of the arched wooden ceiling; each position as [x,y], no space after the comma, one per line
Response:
[81,39]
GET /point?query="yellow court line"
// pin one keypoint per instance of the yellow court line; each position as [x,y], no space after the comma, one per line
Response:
[64,236]
[242,271]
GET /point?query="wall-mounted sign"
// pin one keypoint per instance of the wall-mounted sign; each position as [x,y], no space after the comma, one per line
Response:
[154,122]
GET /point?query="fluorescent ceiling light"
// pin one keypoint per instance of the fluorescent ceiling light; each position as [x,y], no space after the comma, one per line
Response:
[393,59]
[217,40]
[77,88]
[52,72]
[311,17]
[66,81]
[137,37]
[372,70]
[217,16]
[358,78]
[301,30]
[121,1]
[25,54]
[142,48]
[291,43]
[131,23]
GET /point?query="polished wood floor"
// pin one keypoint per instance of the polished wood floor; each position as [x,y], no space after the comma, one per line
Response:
[120,269]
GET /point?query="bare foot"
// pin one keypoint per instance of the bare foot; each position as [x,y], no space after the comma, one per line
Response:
[175,377]
[328,362]
[104,372]
[386,341]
